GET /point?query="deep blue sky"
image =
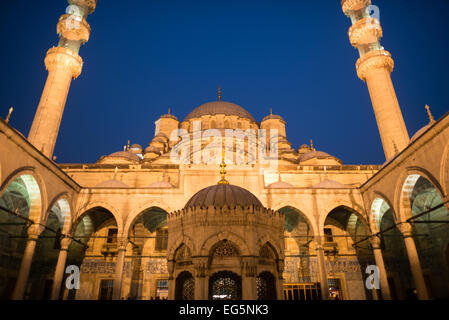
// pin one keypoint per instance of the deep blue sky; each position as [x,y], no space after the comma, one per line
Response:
[145,56]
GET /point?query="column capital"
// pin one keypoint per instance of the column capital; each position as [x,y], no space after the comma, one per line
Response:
[318,240]
[375,242]
[64,58]
[65,243]
[122,243]
[374,60]
[406,229]
[34,231]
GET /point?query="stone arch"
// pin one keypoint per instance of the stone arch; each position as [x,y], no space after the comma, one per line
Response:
[225,235]
[378,209]
[178,243]
[347,206]
[267,239]
[35,188]
[404,187]
[97,204]
[185,286]
[135,214]
[64,213]
[283,205]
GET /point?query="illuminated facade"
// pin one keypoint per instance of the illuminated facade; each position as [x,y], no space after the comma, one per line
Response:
[164,222]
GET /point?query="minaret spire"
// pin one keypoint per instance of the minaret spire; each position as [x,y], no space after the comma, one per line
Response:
[374,67]
[63,64]
[219,93]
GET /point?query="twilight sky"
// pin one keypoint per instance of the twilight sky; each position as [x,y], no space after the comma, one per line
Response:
[145,56]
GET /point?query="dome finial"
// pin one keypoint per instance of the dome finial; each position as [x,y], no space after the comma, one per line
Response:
[169,110]
[271,111]
[223,166]
[219,93]
[127,146]
[311,145]
[431,118]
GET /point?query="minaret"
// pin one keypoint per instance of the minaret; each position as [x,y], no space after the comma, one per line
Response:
[375,66]
[63,64]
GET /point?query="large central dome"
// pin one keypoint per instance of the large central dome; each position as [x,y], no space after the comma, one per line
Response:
[219,107]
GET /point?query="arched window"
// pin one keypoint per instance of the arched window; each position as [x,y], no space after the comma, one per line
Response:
[185,286]
[266,287]
[225,285]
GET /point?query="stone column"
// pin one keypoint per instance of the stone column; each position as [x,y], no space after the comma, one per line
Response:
[377,251]
[171,279]
[415,265]
[280,281]
[60,266]
[200,279]
[249,274]
[33,235]
[322,269]
[117,290]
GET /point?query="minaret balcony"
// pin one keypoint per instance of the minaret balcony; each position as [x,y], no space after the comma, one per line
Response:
[364,32]
[354,5]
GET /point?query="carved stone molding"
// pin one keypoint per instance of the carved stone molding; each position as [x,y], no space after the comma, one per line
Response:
[375,242]
[59,57]
[378,59]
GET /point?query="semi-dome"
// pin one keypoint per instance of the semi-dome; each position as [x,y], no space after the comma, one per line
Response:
[420,132]
[219,107]
[222,195]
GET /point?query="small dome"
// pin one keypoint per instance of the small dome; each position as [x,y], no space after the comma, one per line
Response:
[329,184]
[315,154]
[222,195]
[420,132]
[280,185]
[121,155]
[219,107]
[111,184]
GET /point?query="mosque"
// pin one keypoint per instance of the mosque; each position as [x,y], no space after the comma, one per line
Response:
[260,219]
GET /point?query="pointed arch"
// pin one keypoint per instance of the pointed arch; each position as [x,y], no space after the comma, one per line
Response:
[225,235]
[84,210]
[34,186]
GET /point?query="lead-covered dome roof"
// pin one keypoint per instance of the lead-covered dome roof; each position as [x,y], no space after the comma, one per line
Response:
[222,195]
[219,107]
